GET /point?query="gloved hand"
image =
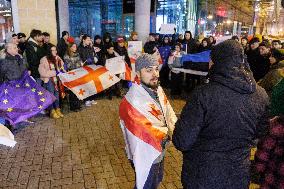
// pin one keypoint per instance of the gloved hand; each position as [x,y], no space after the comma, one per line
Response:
[90,61]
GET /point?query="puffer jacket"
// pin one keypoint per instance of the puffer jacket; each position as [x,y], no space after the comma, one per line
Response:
[11,67]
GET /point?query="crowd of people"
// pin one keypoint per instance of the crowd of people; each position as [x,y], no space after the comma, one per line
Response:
[236,70]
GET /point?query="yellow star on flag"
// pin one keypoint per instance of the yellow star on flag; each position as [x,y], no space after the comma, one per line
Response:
[27,84]
[5,101]
[40,107]
[9,109]
[6,91]
[42,99]
[33,90]
[40,93]
[17,86]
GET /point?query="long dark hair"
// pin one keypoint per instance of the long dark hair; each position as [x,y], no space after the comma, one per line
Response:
[49,55]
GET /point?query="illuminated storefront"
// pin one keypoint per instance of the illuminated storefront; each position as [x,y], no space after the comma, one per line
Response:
[6,20]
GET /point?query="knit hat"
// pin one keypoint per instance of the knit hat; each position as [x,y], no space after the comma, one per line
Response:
[227,49]
[254,40]
[145,61]
[20,35]
[120,40]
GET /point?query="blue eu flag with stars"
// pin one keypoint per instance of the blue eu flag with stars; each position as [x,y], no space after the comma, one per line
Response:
[23,98]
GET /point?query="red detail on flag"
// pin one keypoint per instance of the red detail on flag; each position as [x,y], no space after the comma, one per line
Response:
[71,73]
[127,73]
[155,112]
[92,75]
[140,126]
[132,60]
[81,92]
[110,77]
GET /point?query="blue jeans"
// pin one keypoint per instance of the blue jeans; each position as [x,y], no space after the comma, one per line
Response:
[38,81]
[155,176]
[51,88]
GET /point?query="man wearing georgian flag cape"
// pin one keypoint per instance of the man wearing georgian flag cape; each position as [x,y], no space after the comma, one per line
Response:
[147,121]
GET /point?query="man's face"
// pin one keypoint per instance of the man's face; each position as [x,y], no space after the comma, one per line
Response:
[12,49]
[98,41]
[22,40]
[263,50]
[187,36]
[276,45]
[110,50]
[135,37]
[151,38]
[244,42]
[150,76]
[254,45]
[46,39]
[87,41]
[204,43]
[38,38]
[15,40]
[121,44]
[65,37]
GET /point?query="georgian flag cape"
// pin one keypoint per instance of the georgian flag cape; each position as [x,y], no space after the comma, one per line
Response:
[145,124]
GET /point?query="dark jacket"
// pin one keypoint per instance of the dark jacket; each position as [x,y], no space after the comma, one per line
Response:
[22,47]
[217,128]
[273,77]
[190,46]
[258,64]
[11,68]
[72,62]
[122,51]
[62,48]
[100,55]
[33,54]
[86,54]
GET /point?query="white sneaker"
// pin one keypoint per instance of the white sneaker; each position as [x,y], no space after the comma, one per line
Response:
[88,103]
[93,102]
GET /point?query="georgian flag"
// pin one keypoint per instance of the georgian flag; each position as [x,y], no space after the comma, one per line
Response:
[88,80]
[145,124]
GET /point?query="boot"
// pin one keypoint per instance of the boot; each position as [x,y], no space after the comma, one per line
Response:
[53,114]
[58,111]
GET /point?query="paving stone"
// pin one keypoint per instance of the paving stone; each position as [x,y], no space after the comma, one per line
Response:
[83,150]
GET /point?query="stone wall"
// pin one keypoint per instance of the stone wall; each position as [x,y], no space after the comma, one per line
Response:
[37,14]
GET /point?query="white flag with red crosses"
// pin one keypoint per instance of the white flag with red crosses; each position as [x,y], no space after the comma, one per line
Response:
[88,80]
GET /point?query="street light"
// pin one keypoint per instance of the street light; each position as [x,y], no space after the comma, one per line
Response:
[228,21]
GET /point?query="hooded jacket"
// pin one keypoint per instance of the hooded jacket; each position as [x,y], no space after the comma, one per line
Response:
[219,123]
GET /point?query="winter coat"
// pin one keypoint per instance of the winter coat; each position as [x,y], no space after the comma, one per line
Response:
[72,62]
[217,128]
[11,67]
[273,77]
[258,64]
[62,48]
[33,54]
[190,46]
[48,70]
[100,55]
[277,100]
[86,54]
[269,162]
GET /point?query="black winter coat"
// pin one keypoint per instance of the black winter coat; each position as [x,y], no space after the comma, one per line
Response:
[218,126]
[11,68]
[86,54]
[62,48]
[192,46]
[33,54]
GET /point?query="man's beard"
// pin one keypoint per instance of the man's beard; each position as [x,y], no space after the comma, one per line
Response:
[153,87]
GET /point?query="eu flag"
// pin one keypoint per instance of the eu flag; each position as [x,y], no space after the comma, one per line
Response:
[165,53]
[23,98]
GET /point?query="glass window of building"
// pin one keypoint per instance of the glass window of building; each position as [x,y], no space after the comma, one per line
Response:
[6,20]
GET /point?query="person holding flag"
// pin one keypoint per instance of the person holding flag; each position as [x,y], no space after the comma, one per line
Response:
[147,121]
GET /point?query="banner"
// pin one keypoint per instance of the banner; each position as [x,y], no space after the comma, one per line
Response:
[116,65]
